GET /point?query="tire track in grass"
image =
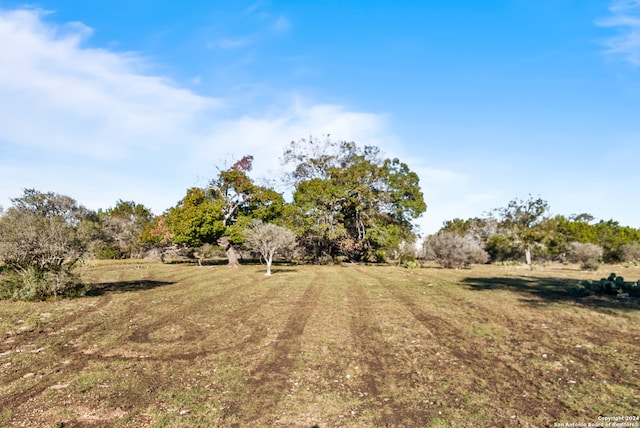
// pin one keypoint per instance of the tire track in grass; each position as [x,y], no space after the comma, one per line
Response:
[267,384]
[65,339]
[200,308]
[552,348]
[367,338]
[383,378]
[506,377]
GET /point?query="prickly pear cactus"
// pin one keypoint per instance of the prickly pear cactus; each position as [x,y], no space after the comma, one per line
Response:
[612,285]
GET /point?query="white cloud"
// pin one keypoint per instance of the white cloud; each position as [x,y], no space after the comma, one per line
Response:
[625,18]
[624,5]
[60,95]
[97,125]
[228,43]
[281,25]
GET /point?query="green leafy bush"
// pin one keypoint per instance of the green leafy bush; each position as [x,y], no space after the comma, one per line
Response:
[36,284]
[411,264]
[108,252]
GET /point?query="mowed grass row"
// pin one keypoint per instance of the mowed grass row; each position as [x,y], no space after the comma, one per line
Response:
[354,346]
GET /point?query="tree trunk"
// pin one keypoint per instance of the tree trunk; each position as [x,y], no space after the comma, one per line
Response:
[269,260]
[233,256]
[230,251]
[527,254]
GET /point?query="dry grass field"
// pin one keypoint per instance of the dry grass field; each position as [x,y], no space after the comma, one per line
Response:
[179,345]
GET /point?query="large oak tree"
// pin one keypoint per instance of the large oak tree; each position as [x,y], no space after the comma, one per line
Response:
[350,200]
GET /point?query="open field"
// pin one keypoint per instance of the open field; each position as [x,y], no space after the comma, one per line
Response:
[339,346]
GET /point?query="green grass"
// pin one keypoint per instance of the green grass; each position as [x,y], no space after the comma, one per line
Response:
[356,346]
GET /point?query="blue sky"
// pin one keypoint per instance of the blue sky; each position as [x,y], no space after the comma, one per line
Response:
[485,100]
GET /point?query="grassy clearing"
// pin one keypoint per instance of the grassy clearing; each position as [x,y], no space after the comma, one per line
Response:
[355,346]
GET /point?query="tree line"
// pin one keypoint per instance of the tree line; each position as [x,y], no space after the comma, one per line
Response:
[349,203]
[524,231]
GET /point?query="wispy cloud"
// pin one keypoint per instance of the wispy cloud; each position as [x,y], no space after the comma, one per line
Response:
[230,43]
[59,95]
[281,25]
[258,24]
[625,19]
[100,125]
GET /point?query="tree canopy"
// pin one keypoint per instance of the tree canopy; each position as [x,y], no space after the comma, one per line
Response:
[42,237]
[350,201]
[219,213]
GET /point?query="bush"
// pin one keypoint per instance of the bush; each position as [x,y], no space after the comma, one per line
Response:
[452,250]
[411,264]
[630,252]
[108,252]
[502,247]
[35,284]
[588,255]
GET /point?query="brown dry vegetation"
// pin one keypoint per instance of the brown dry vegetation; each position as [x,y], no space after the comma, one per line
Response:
[343,346]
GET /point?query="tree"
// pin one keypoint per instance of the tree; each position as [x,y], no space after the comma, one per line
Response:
[452,250]
[612,236]
[123,226]
[195,220]
[349,200]
[269,239]
[219,213]
[481,229]
[519,219]
[42,237]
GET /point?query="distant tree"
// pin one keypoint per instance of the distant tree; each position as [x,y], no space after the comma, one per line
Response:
[219,213]
[123,225]
[452,250]
[612,236]
[196,219]
[269,239]
[519,220]
[156,232]
[481,229]
[588,255]
[523,227]
[42,237]
[349,200]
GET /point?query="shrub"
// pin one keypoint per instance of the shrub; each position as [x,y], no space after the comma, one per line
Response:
[502,247]
[205,251]
[630,252]
[588,255]
[411,264]
[452,250]
[108,252]
[36,284]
